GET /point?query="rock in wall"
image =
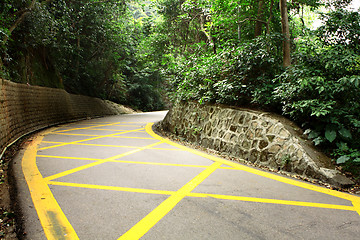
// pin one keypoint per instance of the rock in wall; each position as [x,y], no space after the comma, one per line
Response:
[259,137]
[24,109]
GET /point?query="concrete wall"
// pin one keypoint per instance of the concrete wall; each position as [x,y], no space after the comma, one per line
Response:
[24,109]
[259,137]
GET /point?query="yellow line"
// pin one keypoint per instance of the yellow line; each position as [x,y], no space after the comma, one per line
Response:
[165,207]
[134,162]
[356,205]
[74,170]
[161,164]
[104,129]
[133,137]
[53,220]
[118,146]
[77,134]
[206,195]
[104,145]
[101,125]
[354,199]
[89,139]
[120,189]
[273,201]
[167,149]
[76,158]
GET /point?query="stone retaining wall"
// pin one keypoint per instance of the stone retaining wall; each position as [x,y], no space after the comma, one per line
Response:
[24,109]
[259,137]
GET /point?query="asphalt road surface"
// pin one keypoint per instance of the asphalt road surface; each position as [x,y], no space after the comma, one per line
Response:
[114,178]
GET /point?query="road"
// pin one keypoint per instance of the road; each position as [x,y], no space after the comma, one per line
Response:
[114,178]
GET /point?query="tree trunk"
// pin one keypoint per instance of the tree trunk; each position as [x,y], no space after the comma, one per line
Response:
[239,22]
[270,17]
[286,33]
[258,24]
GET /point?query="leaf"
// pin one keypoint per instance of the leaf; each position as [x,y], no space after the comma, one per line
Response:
[330,132]
[330,135]
[313,134]
[318,140]
[357,160]
[342,159]
[345,133]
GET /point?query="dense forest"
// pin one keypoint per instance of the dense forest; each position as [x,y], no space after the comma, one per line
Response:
[262,54]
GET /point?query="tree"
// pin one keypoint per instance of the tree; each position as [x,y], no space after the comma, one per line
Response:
[285,32]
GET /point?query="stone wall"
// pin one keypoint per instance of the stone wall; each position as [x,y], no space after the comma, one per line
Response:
[259,137]
[24,109]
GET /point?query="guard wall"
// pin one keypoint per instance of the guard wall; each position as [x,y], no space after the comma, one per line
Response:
[259,137]
[24,109]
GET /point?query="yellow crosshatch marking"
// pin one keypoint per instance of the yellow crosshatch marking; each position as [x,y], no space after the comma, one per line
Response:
[94,138]
[51,215]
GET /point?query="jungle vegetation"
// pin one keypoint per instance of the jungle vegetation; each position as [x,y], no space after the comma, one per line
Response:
[262,54]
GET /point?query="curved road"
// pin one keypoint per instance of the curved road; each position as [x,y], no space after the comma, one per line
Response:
[114,178]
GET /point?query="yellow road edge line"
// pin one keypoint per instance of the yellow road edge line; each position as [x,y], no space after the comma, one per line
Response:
[89,139]
[52,218]
[272,176]
[74,170]
[144,225]
[111,188]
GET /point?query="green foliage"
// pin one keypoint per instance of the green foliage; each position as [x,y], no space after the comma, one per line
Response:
[320,90]
[86,47]
[231,76]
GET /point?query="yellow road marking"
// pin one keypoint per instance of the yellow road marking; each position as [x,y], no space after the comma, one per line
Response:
[89,139]
[111,188]
[53,220]
[274,201]
[77,134]
[105,145]
[105,129]
[74,170]
[175,197]
[132,137]
[166,206]
[207,195]
[101,125]
[354,199]
[135,162]
[356,205]
[76,158]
